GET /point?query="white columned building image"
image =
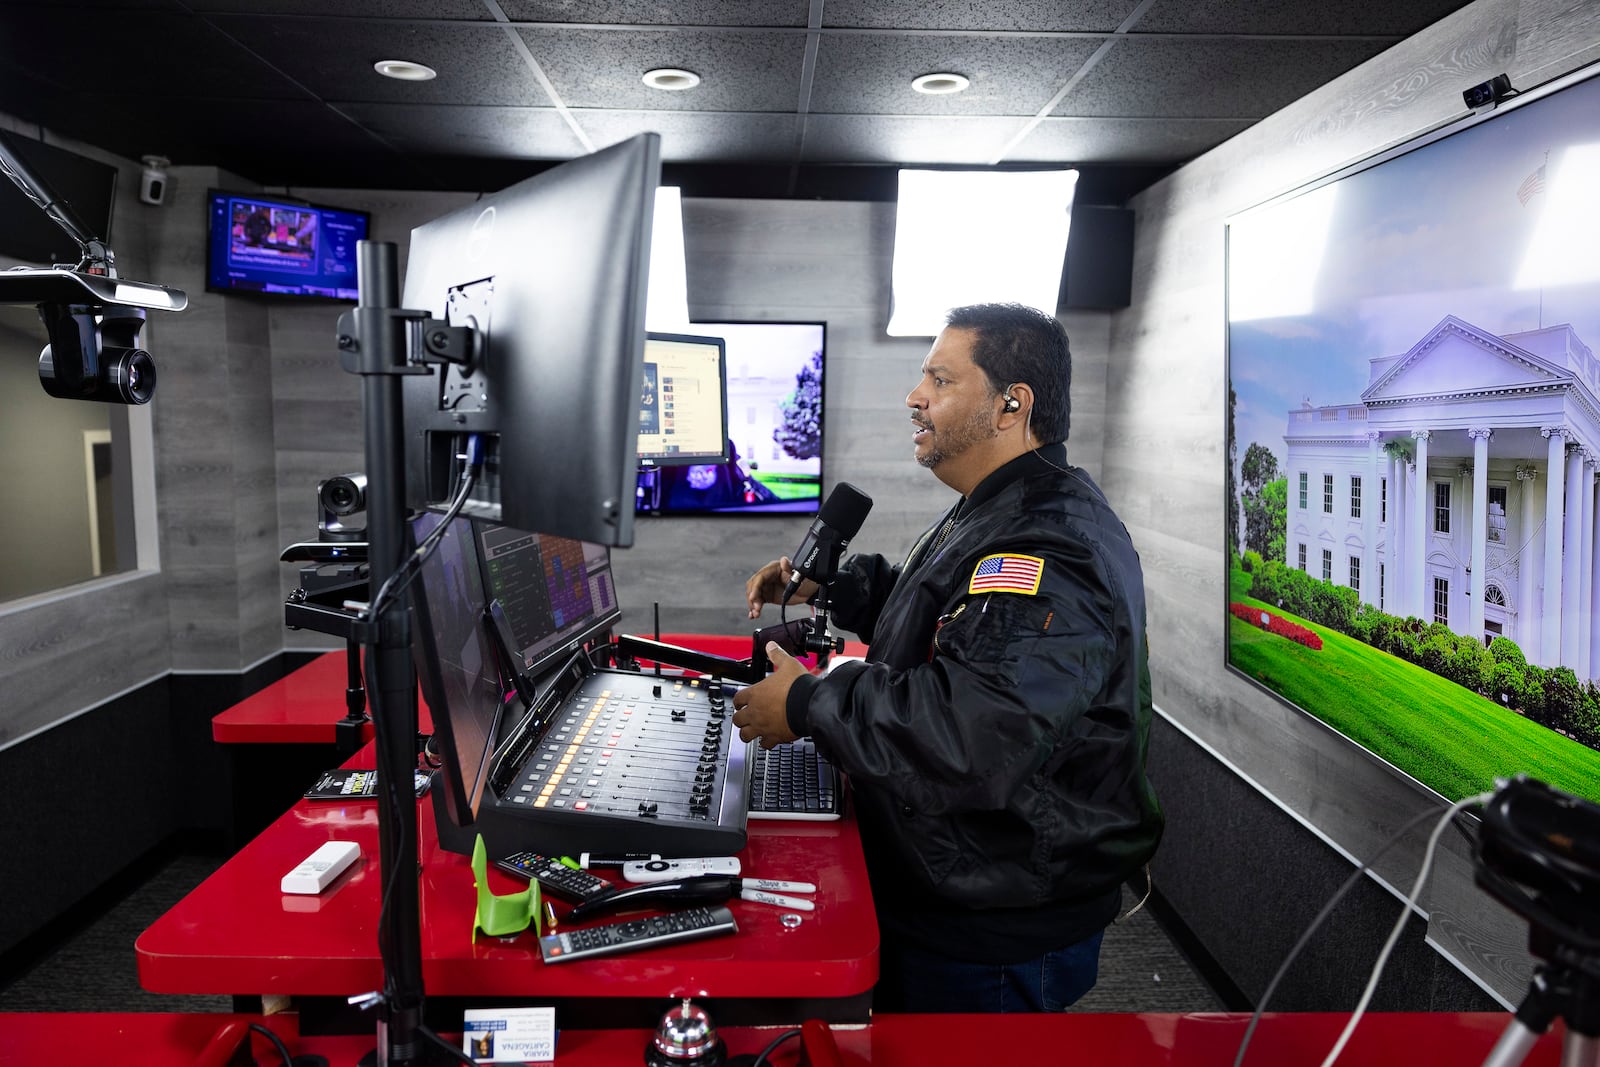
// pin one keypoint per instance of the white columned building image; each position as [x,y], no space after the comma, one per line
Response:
[1460,488]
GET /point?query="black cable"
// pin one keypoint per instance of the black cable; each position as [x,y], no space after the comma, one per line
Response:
[761,1058]
[389,778]
[428,1033]
[277,1042]
[1322,916]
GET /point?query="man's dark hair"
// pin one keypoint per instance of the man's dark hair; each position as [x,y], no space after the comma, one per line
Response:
[1015,343]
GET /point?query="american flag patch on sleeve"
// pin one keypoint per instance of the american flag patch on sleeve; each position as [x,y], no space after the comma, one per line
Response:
[1007,574]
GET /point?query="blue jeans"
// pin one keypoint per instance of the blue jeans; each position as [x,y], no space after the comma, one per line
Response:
[913,979]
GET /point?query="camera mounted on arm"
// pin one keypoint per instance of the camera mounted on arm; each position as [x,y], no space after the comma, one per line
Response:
[92,316]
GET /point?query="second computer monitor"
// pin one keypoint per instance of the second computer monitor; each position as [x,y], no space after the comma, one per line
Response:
[556,593]
[683,409]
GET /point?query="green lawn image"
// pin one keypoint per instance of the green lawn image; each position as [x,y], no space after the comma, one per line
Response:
[1450,739]
[790,486]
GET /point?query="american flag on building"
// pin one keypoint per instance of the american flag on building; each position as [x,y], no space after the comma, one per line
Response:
[1007,574]
[1531,186]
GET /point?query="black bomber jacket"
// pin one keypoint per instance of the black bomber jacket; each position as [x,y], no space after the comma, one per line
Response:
[995,740]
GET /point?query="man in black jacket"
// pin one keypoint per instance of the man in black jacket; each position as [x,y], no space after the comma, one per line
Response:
[995,735]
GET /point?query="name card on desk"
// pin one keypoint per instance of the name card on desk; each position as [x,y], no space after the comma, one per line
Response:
[509,1035]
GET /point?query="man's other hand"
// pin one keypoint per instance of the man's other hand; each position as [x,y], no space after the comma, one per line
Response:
[766,586]
[760,710]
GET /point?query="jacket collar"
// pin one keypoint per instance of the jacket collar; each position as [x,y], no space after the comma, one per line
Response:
[1037,461]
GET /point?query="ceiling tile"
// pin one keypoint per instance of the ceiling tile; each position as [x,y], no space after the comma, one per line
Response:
[333,59]
[488,132]
[877,139]
[1113,140]
[660,13]
[54,44]
[871,73]
[1211,78]
[699,137]
[467,10]
[1100,16]
[1360,17]
[739,71]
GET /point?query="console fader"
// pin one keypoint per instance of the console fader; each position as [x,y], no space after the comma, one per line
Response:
[617,761]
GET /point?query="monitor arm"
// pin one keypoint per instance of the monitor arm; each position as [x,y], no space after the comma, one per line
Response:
[95,255]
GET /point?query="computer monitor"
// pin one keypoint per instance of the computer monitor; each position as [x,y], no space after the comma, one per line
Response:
[552,271]
[275,247]
[457,661]
[683,407]
[556,593]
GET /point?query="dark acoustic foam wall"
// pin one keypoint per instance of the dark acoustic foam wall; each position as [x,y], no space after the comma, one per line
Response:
[1098,274]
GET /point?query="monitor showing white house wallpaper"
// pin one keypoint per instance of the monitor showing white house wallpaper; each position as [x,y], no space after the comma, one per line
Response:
[1414,432]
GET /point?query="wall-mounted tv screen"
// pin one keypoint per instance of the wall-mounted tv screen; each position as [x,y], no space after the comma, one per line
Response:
[1413,431]
[775,416]
[273,247]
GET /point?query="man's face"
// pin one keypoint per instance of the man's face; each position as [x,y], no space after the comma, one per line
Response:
[953,406]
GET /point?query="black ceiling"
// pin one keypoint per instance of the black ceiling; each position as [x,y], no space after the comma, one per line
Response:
[798,97]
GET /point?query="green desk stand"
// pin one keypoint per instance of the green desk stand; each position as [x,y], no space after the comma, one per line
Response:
[501,916]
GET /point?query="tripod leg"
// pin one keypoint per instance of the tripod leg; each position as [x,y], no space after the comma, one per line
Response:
[1516,1041]
[1580,1050]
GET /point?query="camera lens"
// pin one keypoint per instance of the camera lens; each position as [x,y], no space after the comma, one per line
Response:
[343,495]
[132,374]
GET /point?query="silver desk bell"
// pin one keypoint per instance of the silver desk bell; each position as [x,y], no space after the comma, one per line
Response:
[685,1037]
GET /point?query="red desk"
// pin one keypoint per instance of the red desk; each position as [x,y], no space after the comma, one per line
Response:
[299,708]
[237,934]
[1401,1040]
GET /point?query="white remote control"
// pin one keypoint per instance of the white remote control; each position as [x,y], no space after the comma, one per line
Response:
[318,870]
[672,870]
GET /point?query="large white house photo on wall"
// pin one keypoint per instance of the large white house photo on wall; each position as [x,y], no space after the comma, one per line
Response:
[1414,433]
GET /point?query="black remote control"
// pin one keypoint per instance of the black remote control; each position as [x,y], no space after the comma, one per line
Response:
[634,934]
[565,882]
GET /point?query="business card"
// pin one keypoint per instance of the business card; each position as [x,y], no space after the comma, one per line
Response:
[509,1035]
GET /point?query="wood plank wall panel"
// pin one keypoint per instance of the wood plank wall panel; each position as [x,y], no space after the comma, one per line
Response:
[215,470]
[1164,470]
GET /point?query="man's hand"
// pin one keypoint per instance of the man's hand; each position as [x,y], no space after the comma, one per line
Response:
[760,709]
[766,586]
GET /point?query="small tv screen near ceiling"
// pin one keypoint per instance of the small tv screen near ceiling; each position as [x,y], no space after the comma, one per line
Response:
[775,439]
[273,247]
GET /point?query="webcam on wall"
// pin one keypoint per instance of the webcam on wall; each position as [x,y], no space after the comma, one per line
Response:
[1490,92]
[153,180]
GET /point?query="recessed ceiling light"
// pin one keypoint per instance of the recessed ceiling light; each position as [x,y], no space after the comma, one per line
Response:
[405,70]
[939,84]
[671,79]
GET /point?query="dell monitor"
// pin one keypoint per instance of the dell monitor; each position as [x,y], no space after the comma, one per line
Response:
[457,662]
[556,593]
[683,406]
[552,273]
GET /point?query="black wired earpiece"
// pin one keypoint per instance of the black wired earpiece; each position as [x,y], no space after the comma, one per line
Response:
[1012,403]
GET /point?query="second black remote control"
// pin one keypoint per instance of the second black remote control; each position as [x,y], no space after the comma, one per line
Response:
[565,882]
[634,934]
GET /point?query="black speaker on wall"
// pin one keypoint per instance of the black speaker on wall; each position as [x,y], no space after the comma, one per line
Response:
[1099,270]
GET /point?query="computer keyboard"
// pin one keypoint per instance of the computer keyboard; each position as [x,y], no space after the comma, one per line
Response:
[794,781]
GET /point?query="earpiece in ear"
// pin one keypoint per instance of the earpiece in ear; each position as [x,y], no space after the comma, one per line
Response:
[1012,403]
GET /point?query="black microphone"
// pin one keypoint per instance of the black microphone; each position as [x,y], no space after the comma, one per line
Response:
[839,520]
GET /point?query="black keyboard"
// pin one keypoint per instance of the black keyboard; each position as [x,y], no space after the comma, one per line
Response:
[794,781]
